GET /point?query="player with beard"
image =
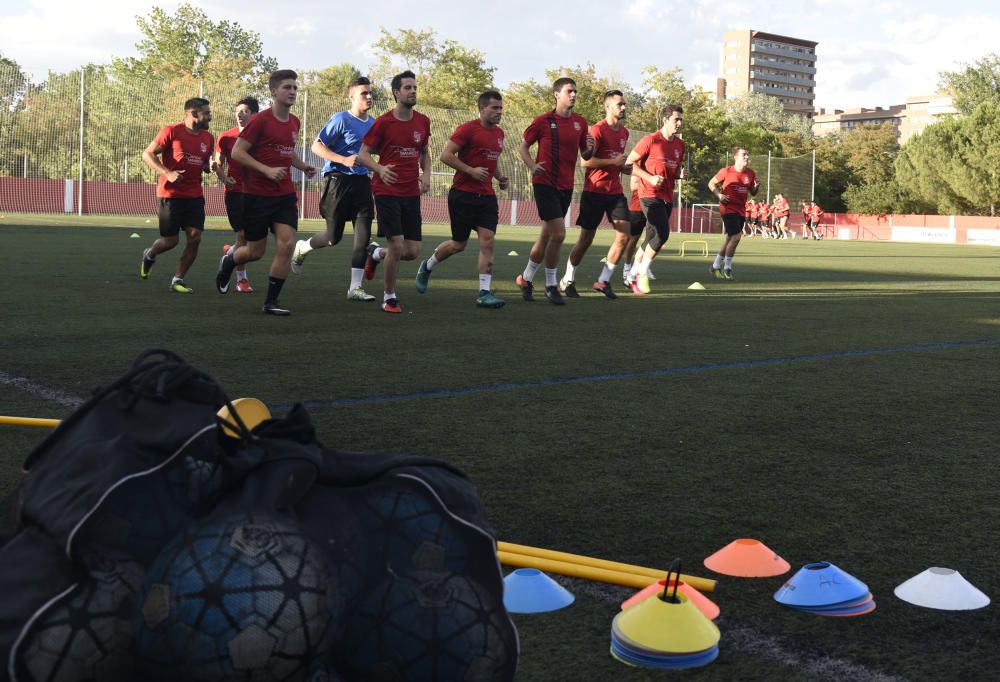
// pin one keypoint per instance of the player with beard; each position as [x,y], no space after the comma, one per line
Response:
[559,134]
[733,185]
[347,188]
[473,151]
[602,196]
[180,153]
[266,150]
[231,175]
[402,173]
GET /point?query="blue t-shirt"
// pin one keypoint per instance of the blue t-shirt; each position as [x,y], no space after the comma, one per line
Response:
[343,134]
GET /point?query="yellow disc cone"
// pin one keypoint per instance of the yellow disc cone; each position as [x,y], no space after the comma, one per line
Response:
[666,627]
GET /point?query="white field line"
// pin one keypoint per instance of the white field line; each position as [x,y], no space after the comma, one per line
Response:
[40,391]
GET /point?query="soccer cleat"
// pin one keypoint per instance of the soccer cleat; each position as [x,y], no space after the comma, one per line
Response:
[650,274]
[178,287]
[527,288]
[636,290]
[423,277]
[552,293]
[717,272]
[728,273]
[371,263]
[243,286]
[568,287]
[605,288]
[391,306]
[146,266]
[359,294]
[272,308]
[223,276]
[298,257]
[642,281]
[488,300]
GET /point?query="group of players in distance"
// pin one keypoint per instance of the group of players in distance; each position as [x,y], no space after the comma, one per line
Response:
[770,221]
[253,161]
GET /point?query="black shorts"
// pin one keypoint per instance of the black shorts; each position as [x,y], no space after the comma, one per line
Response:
[636,222]
[346,198]
[234,209]
[732,223]
[594,206]
[399,216]
[262,213]
[469,211]
[552,203]
[657,212]
[176,215]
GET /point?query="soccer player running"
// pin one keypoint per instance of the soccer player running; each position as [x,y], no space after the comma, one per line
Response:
[732,185]
[266,150]
[231,175]
[779,210]
[402,173]
[473,151]
[806,220]
[180,153]
[602,196]
[347,188]
[657,161]
[559,134]
[815,213]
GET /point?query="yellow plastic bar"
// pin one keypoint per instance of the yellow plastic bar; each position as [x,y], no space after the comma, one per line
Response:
[616,571]
[29,421]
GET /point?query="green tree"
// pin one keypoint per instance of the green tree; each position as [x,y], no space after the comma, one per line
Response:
[871,150]
[765,111]
[14,89]
[333,80]
[974,84]
[189,43]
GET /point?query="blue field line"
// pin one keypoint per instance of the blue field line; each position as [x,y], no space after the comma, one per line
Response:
[638,374]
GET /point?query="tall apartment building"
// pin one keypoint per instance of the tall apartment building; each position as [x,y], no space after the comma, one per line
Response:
[780,66]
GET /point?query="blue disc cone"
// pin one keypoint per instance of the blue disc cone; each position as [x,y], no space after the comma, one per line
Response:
[820,584]
[528,590]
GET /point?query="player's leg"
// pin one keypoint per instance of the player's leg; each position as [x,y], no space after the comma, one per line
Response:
[637,224]
[169,227]
[733,227]
[257,215]
[549,211]
[617,212]
[657,213]
[234,212]
[592,211]
[332,211]
[462,210]
[284,244]
[486,229]
[362,239]
[194,223]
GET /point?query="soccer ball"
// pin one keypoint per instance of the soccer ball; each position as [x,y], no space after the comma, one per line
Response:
[242,598]
[90,634]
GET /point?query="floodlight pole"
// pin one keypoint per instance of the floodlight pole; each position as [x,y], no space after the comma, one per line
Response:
[769,176]
[79,190]
[305,127]
[812,189]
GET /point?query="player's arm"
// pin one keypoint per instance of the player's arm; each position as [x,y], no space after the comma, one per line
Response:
[306,168]
[524,151]
[713,187]
[595,162]
[324,152]
[385,173]
[151,157]
[241,155]
[634,159]
[449,157]
[221,167]
[425,171]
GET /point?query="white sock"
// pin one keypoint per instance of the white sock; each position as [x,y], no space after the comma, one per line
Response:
[432,261]
[627,271]
[485,282]
[378,255]
[729,262]
[551,277]
[606,272]
[718,261]
[241,275]
[570,272]
[305,246]
[176,279]
[357,275]
[386,296]
[644,267]
[530,269]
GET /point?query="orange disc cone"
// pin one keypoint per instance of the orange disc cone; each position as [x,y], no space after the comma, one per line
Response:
[747,558]
[704,604]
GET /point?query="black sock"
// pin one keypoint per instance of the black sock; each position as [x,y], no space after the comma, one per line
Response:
[274,289]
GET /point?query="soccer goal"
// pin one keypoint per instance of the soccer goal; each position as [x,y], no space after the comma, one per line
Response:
[702,218]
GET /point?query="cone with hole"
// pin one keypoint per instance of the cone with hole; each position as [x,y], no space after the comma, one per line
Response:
[942,588]
[703,603]
[825,589]
[747,558]
[528,590]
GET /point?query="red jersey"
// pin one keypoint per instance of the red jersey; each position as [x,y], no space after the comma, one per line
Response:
[272,143]
[634,204]
[183,151]
[736,186]
[558,140]
[227,141]
[663,157]
[398,144]
[478,146]
[608,143]
[763,210]
[805,210]
[815,212]
[780,208]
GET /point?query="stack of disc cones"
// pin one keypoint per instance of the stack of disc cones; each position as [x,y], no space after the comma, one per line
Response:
[666,632]
[703,603]
[747,558]
[942,588]
[824,589]
[528,590]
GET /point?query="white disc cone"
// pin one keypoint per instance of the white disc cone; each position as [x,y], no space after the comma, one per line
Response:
[942,588]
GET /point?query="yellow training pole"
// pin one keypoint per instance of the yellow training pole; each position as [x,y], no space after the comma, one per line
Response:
[29,421]
[700,584]
[601,575]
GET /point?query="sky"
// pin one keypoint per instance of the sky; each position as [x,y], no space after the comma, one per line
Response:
[870,53]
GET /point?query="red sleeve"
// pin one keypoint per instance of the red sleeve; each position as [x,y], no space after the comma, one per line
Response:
[252,132]
[583,135]
[165,137]
[642,149]
[373,138]
[595,132]
[720,176]
[533,132]
[461,135]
